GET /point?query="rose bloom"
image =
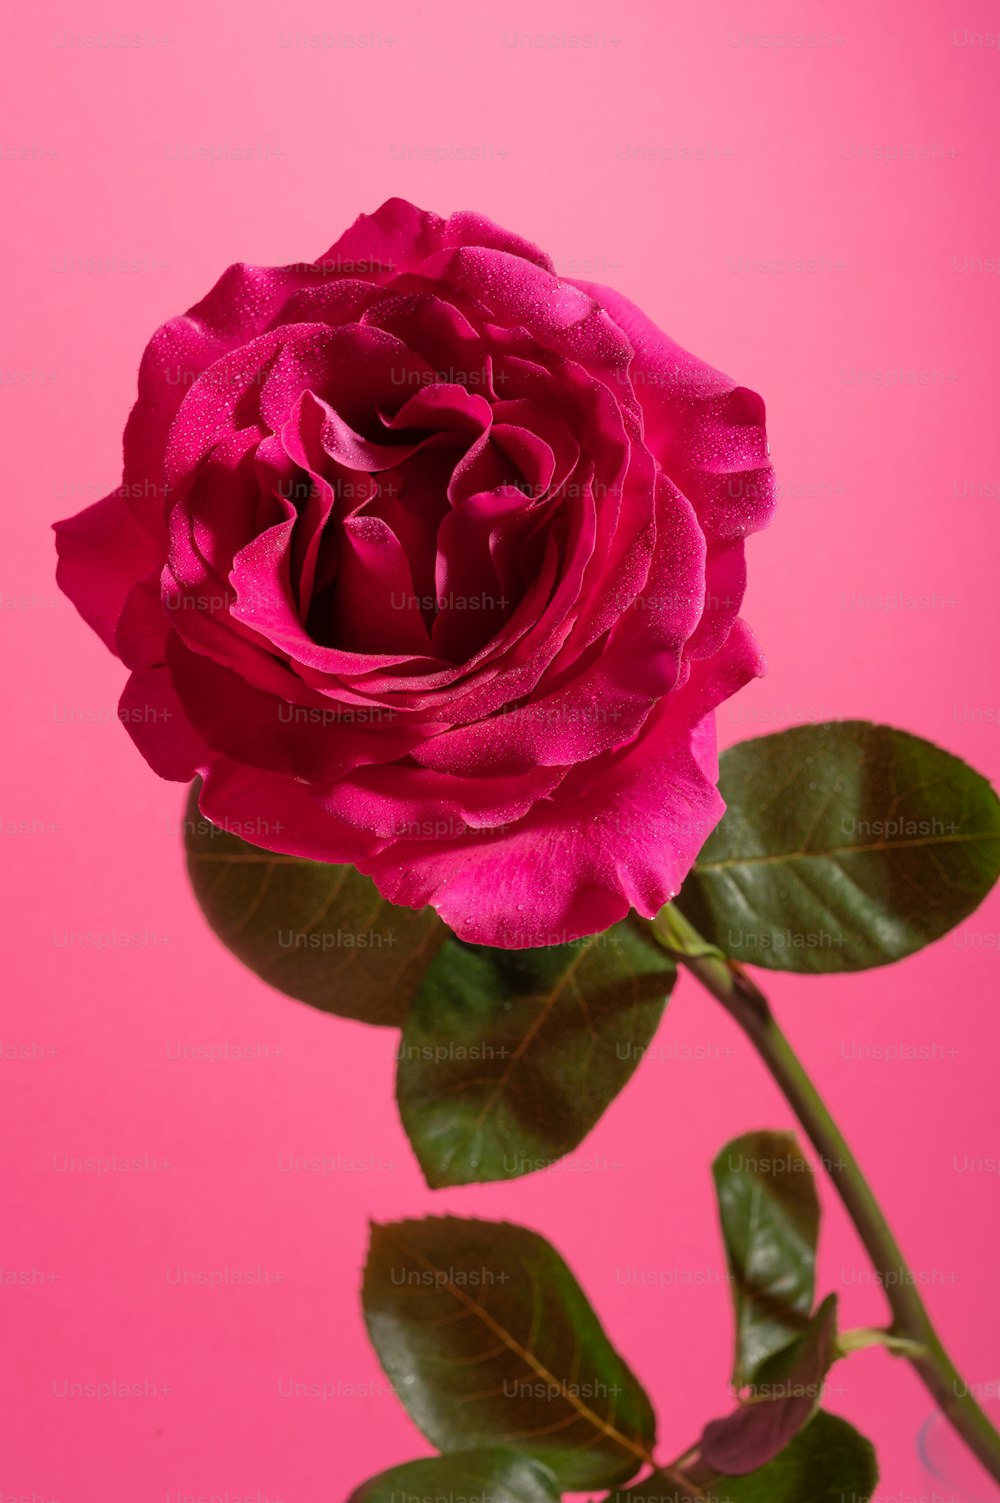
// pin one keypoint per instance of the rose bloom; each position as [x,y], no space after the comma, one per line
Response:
[432,560]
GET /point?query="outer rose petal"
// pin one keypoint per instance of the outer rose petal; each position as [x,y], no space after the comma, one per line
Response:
[381,245]
[398,237]
[311,740]
[154,717]
[709,436]
[415,803]
[244,302]
[621,832]
[297,824]
[707,432]
[468,228]
[102,554]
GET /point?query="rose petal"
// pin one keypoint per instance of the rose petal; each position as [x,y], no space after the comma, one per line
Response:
[102,555]
[154,717]
[621,832]
[307,738]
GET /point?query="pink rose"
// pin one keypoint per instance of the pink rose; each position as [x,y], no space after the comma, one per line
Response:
[435,559]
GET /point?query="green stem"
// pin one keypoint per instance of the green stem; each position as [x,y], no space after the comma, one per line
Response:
[746,1003]
[862,1337]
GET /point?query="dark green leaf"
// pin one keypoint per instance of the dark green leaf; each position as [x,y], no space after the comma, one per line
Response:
[827,1462]
[509,1057]
[845,845]
[489,1340]
[786,1392]
[770,1224]
[486,1476]
[320,933]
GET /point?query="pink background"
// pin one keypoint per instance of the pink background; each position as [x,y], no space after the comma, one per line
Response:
[669,159]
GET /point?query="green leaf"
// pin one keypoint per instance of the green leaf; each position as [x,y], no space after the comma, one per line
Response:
[769,1211]
[320,933]
[827,1462]
[845,845]
[489,1340]
[786,1392]
[509,1057]
[486,1476]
